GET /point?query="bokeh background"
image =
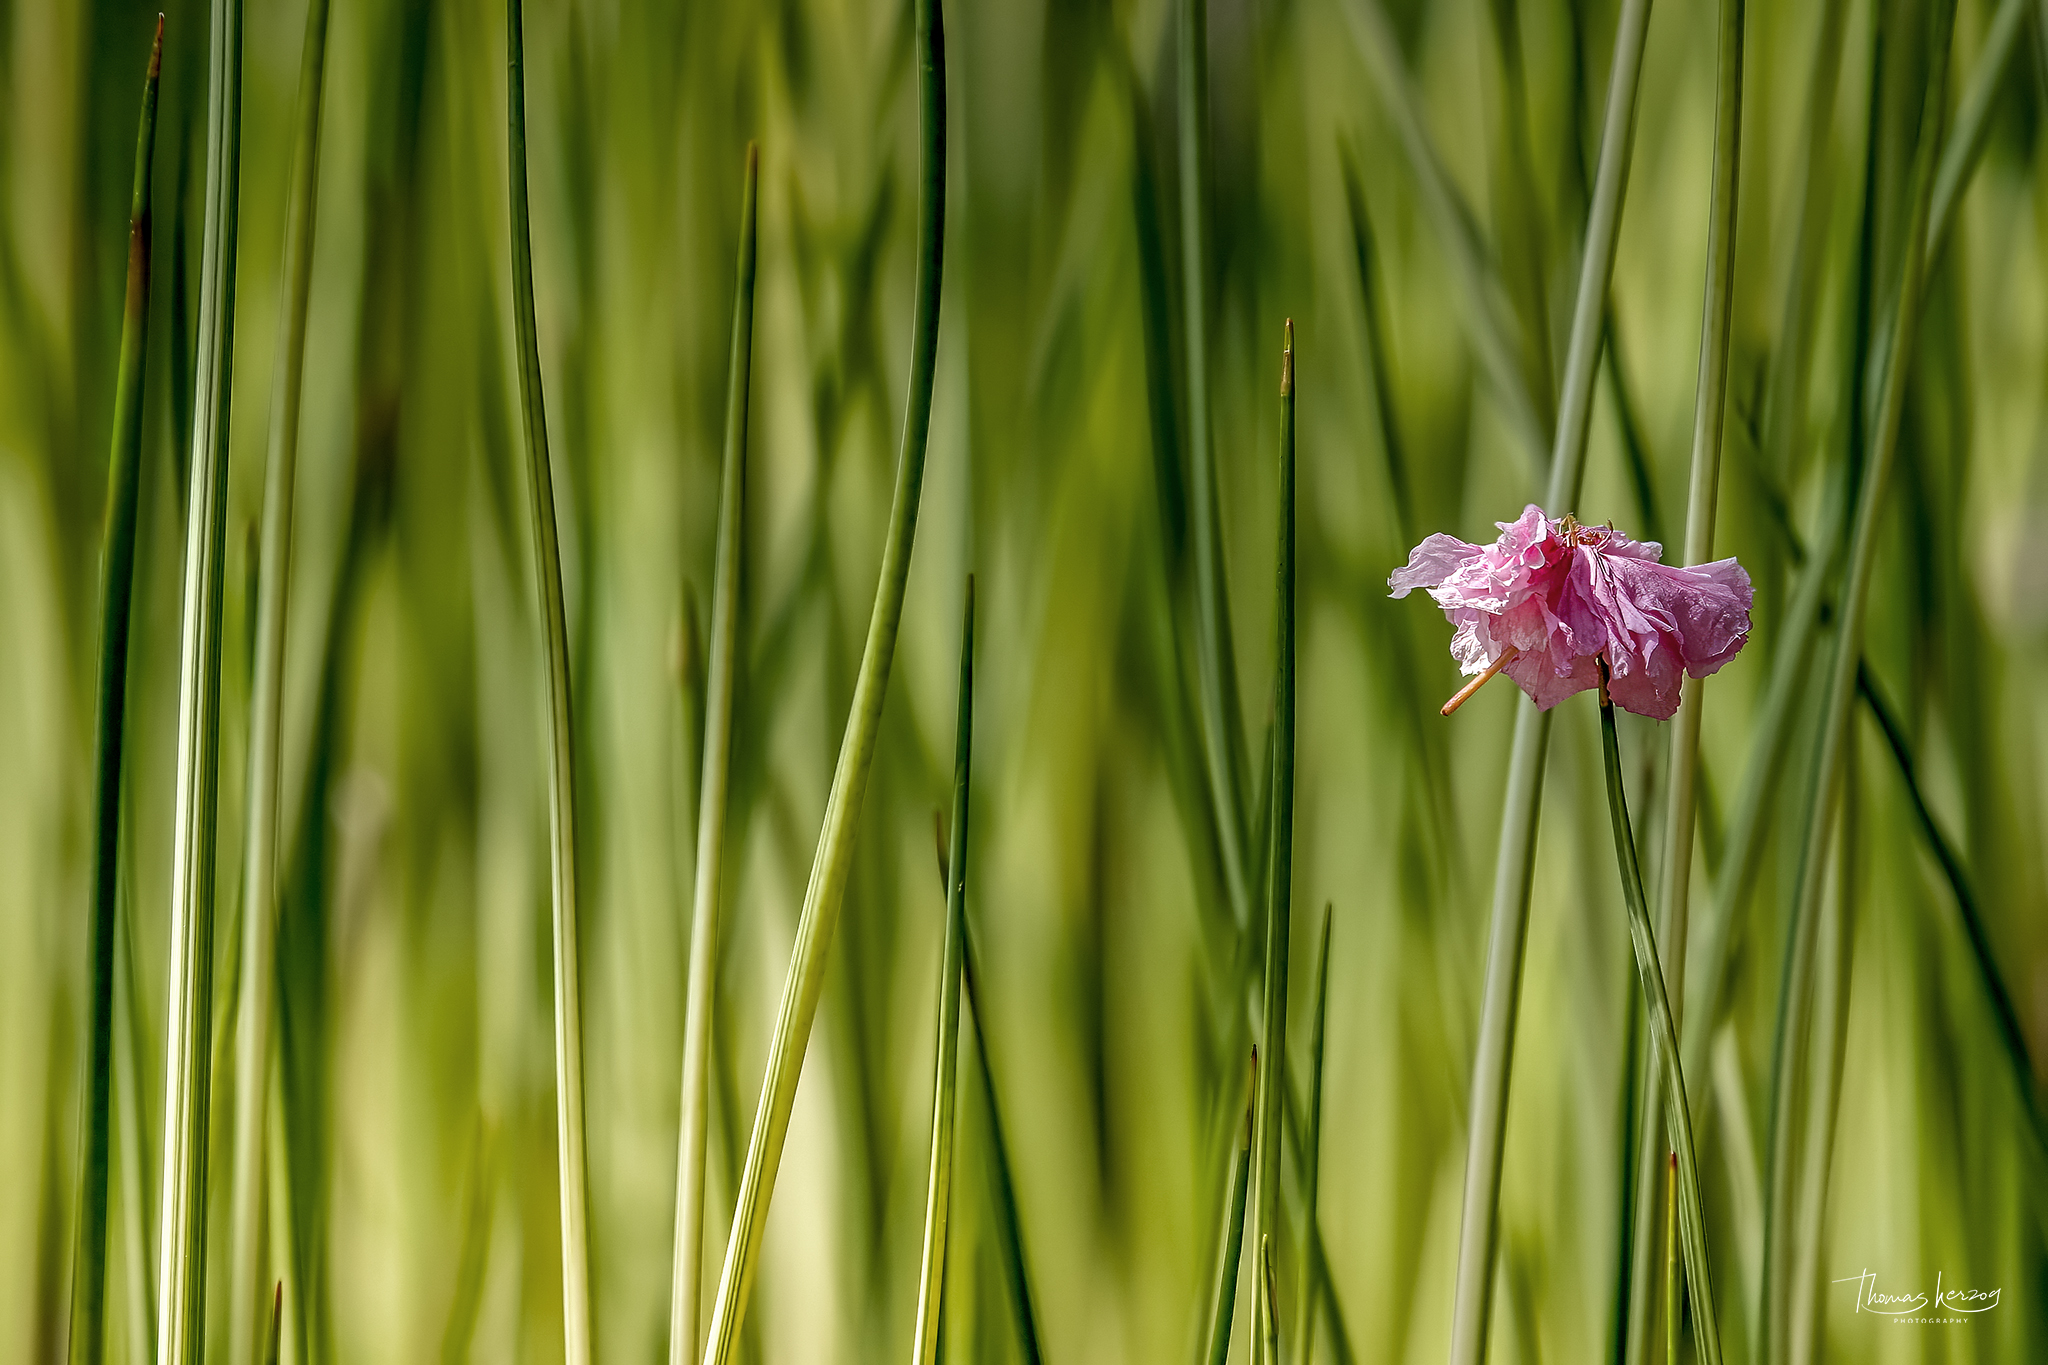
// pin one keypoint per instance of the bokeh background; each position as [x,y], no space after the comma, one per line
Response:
[414,967]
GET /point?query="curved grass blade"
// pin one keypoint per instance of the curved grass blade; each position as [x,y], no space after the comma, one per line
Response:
[1268,1121]
[946,1067]
[547,573]
[1795,982]
[685,1294]
[1311,1261]
[826,892]
[188,1053]
[1216,670]
[117,591]
[1702,498]
[1230,1245]
[256,1016]
[1515,864]
[1692,1231]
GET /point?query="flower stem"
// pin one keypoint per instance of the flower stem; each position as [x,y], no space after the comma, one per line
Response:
[1692,1231]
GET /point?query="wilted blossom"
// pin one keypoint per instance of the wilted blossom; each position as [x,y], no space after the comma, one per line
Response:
[1548,598]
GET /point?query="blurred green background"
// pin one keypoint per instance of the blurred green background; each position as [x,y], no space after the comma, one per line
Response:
[414,963]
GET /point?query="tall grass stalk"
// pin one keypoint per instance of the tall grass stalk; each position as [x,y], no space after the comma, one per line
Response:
[1311,1267]
[1795,983]
[1230,1240]
[1674,1307]
[117,591]
[1692,1231]
[1710,407]
[1965,143]
[826,893]
[188,1055]
[1216,662]
[685,1295]
[256,1015]
[946,1050]
[1009,1228]
[1269,1117]
[1268,1345]
[1515,865]
[547,573]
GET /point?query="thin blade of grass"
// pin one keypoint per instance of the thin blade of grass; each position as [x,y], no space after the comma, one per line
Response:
[1702,499]
[256,1015]
[547,573]
[1972,128]
[1310,1288]
[1216,669]
[1268,1352]
[1230,1242]
[1673,1306]
[1795,982]
[1691,1216]
[1009,1228]
[188,1065]
[946,1050]
[1515,865]
[117,591]
[685,1294]
[826,892]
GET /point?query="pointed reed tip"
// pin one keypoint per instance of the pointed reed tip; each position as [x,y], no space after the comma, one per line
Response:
[156,48]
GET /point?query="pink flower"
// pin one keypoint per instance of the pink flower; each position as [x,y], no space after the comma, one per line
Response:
[1549,597]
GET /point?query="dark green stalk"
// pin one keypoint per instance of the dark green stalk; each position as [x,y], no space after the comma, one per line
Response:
[257,1011]
[1692,1231]
[1794,987]
[685,1295]
[1222,718]
[1268,1352]
[188,1053]
[1230,1244]
[1951,863]
[1272,1077]
[117,591]
[1673,1306]
[1965,145]
[826,892]
[946,1067]
[1515,866]
[547,573]
[1009,1228]
[1311,1261]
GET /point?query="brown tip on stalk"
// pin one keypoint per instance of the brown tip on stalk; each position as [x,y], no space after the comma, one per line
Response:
[1287,359]
[939,833]
[156,50]
[1251,1092]
[1464,694]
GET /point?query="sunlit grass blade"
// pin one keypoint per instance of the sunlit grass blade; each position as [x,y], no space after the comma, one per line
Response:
[117,591]
[1311,1267]
[255,1015]
[554,626]
[826,892]
[1795,982]
[1691,1215]
[1710,405]
[1515,865]
[1967,912]
[685,1294]
[1230,1240]
[1673,1306]
[1494,335]
[1269,1119]
[1216,664]
[188,1055]
[939,1187]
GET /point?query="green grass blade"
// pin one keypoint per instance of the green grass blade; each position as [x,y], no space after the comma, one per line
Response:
[256,1015]
[1965,145]
[117,590]
[1268,1352]
[1692,1231]
[1216,670]
[1674,1308]
[1515,865]
[1494,335]
[1009,1228]
[1230,1242]
[274,1339]
[188,1082]
[939,1188]
[1703,494]
[826,891]
[1311,1261]
[1268,1122]
[685,1294]
[547,573]
[1795,983]
[1995,992]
